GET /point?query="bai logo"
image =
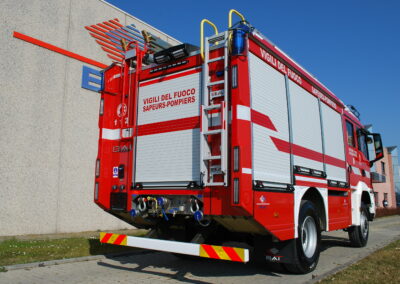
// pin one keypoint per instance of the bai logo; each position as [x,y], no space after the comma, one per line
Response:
[121,149]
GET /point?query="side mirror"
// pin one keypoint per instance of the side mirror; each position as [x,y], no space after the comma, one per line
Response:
[378,148]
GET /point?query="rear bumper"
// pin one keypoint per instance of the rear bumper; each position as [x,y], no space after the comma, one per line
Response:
[201,250]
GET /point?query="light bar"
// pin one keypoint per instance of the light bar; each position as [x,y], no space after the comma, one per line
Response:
[302,170]
[234,77]
[236,191]
[236,159]
[335,183]
[97,167]
[174,53]
[96,191]
[317,173]
[101,110]
[309,172]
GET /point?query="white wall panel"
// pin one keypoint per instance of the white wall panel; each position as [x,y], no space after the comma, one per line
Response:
[306,125]
[172,156]
[334,143]
[268,96]
[168,157]
[169,87]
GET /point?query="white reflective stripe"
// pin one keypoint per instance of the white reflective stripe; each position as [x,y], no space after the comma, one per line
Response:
[310,179]
[170,246]
[243,112]
[246,171]
[111,134]
[163,245]
[356,171]
[127,132]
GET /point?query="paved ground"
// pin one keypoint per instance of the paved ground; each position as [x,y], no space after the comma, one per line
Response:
[158,267]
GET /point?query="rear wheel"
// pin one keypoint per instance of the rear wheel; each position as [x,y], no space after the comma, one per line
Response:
[307,245]
[358,235]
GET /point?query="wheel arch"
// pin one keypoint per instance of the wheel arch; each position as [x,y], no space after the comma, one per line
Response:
[318,198]
[312,194]
[366,199]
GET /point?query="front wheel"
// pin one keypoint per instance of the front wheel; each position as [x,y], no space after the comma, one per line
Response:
[358,235]
[307,245]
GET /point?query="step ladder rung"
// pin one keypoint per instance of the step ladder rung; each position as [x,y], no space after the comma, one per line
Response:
[216,94]
[216,59]
[209,158]
[215,83]
[213,88]
[212,132]
[215,184]
[211,107]
[216,38]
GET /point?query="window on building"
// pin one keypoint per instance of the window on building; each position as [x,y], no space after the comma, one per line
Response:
[350,134]
[383,168]
[362,143]
[376,199]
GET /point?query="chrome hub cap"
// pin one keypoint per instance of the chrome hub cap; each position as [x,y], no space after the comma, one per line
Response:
[309,236]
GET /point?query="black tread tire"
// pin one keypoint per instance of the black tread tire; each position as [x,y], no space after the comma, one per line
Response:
[301,263]
[356,236]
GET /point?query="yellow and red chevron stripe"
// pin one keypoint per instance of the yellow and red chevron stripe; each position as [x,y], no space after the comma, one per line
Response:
[225,253]
[115,239]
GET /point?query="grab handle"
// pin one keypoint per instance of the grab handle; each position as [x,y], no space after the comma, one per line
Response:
[230,17]
[202,34]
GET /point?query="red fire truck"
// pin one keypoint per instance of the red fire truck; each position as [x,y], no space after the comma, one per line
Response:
[232,142]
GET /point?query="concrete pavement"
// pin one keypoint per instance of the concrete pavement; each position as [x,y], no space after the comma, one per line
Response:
[157,267]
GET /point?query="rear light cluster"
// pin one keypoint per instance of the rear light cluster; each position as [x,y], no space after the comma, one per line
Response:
[236,159]
[101,110]
[236,191]
[116,187]
[97,167]
[96,191]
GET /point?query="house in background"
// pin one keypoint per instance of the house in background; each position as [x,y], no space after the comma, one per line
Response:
[385,176]
[383,179]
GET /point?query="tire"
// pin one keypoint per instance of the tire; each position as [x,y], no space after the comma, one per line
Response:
[307,245]
[358,235]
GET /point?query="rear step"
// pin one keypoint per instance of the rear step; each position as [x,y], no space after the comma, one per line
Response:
[201,250]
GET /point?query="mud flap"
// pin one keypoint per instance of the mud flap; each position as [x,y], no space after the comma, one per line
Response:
[276,252]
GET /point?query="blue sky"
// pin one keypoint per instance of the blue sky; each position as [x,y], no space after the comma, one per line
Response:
[353,46]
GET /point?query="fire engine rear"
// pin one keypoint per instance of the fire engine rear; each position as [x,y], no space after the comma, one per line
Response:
[232,142]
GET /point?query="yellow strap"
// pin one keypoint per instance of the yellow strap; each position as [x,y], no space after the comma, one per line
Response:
[202,34]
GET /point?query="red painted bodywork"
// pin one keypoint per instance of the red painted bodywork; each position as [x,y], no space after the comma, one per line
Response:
[272,210]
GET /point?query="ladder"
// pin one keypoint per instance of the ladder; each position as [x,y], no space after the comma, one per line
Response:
[209,166]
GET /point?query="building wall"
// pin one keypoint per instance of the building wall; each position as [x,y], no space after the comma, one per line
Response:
[387,187]
[48,123]
[396,172]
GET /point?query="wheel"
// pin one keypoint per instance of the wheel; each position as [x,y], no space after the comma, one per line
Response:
[358,235]
[307,245]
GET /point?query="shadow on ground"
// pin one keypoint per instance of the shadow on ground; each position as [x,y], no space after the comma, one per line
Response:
[188,269]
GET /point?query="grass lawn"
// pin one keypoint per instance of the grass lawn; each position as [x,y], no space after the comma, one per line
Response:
[24,251]
[383,266]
